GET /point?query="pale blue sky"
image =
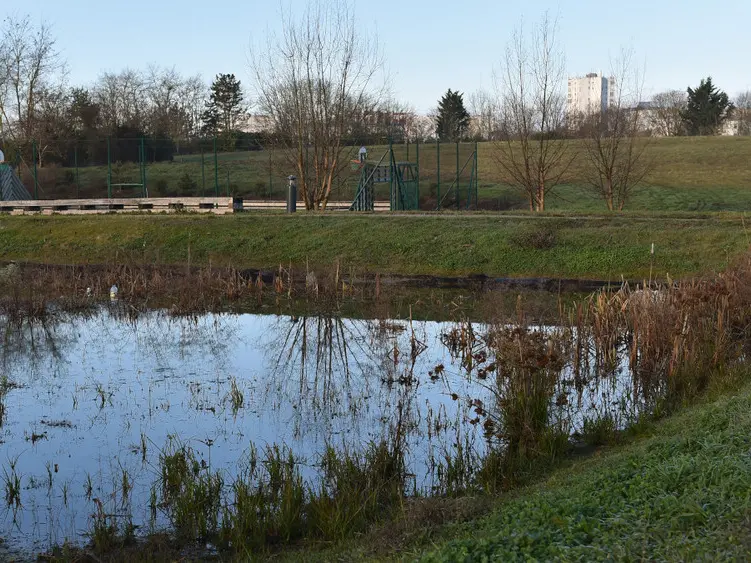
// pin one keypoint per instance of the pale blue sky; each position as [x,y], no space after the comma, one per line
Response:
[429,46]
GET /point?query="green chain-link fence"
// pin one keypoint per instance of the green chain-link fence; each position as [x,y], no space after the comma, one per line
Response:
[445,173]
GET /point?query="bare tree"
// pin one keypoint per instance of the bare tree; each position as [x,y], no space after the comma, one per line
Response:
[192,94]
[486,120]
[743,112]
[531,155]
[422,128]
[174,103]
[52,122]
[666,109]
[162,94]
[32,77]
[384,120]
[614,147]
[312,82]
[122,99]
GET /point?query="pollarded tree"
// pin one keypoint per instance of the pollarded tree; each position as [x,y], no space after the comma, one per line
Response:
[225,111]
[452,122]
[707,109]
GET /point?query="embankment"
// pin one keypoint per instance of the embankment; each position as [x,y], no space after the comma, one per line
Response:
[606,248]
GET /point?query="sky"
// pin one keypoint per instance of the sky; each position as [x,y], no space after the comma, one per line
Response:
[428,46]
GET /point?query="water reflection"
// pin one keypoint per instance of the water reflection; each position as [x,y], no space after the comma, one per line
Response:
[99,395]
[91,400]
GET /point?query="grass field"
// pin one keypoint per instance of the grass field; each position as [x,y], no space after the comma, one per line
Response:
[689,174]
[603,247]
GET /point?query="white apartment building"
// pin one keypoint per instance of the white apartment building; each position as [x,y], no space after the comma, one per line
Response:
[589,94]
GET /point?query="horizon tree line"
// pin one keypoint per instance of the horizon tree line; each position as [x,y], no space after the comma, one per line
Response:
[320,85]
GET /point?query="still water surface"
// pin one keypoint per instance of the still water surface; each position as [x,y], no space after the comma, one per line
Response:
[98,396]
[91,400]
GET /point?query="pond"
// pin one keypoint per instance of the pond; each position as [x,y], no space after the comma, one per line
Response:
[92,401]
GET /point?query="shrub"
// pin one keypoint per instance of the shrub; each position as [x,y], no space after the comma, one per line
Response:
[162,187]
[536,238]
[186,185]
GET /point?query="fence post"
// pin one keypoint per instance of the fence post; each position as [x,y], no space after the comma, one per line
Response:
[477,176]
[393,196]
[457,175]
[75,161]
[203,175]
[271,176]
[36,178]
[227,182]
[144,191]
[216,171]
[417,155]
[438,168]
[109,169]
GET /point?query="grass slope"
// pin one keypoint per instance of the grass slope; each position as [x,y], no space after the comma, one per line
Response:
[689,174]
[604,247]
[682,495]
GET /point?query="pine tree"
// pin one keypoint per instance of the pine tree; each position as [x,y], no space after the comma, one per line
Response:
[707,109]
[452,122]
[225,111]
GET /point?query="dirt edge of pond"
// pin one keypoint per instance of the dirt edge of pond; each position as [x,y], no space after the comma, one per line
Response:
[302,277]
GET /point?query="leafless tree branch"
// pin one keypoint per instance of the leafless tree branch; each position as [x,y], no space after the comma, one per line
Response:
[314,82]
[614,147]
[531,155]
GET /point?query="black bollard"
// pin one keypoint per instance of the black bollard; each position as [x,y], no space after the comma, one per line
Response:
[292,195]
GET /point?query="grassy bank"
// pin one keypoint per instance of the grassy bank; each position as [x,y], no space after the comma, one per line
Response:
[681,495]
[677,491]
[592,247]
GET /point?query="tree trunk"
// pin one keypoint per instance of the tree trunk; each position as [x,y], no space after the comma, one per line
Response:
[541,198]
[609,194]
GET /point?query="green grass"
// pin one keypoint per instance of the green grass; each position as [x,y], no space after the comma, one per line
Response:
[679,490]
[689,174]
[684,494]
[603,247]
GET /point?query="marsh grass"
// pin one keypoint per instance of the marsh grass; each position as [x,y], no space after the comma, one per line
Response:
[357,490]
[191,493]
[235,396]
[12,485]
[268,503]
[6,386]
[41,293]
[673,342]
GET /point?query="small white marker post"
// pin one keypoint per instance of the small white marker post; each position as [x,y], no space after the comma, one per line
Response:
[651,262]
